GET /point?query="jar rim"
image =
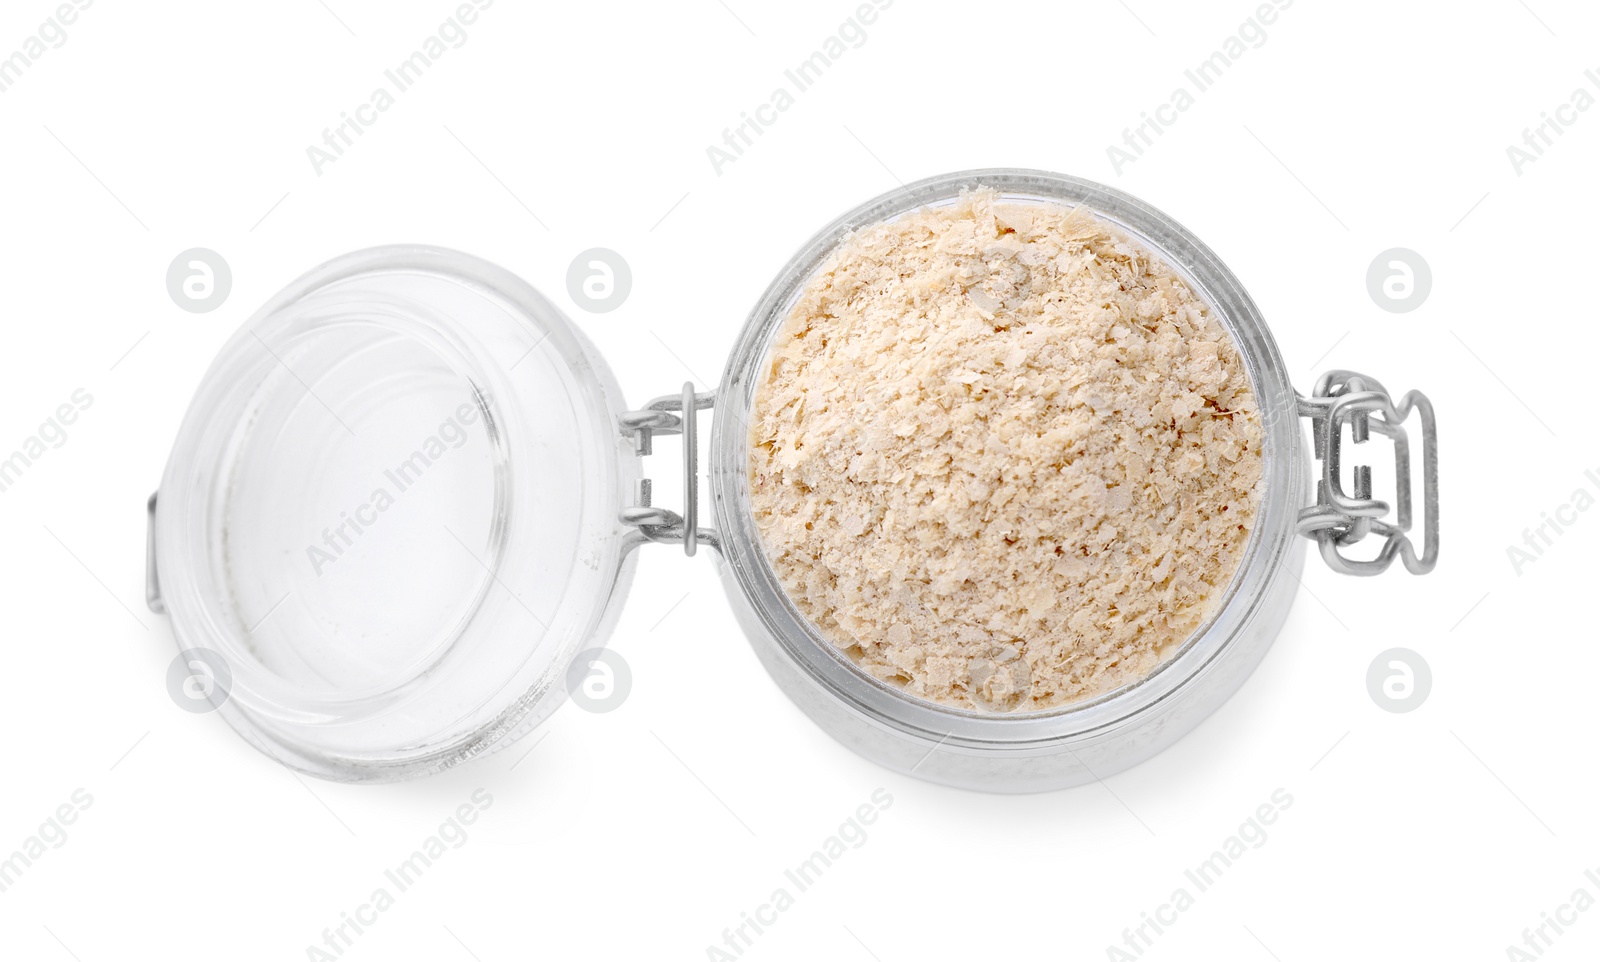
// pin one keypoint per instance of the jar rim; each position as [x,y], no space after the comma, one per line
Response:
[1271,549]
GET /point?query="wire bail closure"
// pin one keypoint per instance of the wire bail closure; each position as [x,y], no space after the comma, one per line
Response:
[1339,520]
[667,415]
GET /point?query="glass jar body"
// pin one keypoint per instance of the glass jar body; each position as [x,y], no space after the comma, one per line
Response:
[1073,744]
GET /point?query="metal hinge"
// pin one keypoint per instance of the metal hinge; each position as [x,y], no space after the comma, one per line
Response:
[669,414]
[152,578]
[1339,520]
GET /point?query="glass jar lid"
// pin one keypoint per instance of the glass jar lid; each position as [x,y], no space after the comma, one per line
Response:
[392,509]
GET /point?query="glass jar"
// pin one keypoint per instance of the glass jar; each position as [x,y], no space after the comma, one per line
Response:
[408,494]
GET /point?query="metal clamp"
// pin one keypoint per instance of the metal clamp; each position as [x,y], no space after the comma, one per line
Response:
[152,577]
[1339,520]
[666,415]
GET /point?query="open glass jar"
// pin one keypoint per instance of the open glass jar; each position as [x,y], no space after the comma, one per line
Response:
[408,494]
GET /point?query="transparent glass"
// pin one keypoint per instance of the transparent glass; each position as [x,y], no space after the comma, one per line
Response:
[392,508]
[1071,744]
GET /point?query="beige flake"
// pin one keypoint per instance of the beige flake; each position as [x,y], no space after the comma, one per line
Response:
[1002,455]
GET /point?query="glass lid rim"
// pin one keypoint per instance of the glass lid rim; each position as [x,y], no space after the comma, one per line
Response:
[596,400]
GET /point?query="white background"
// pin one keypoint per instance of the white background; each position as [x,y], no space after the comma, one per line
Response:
[1356,127]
